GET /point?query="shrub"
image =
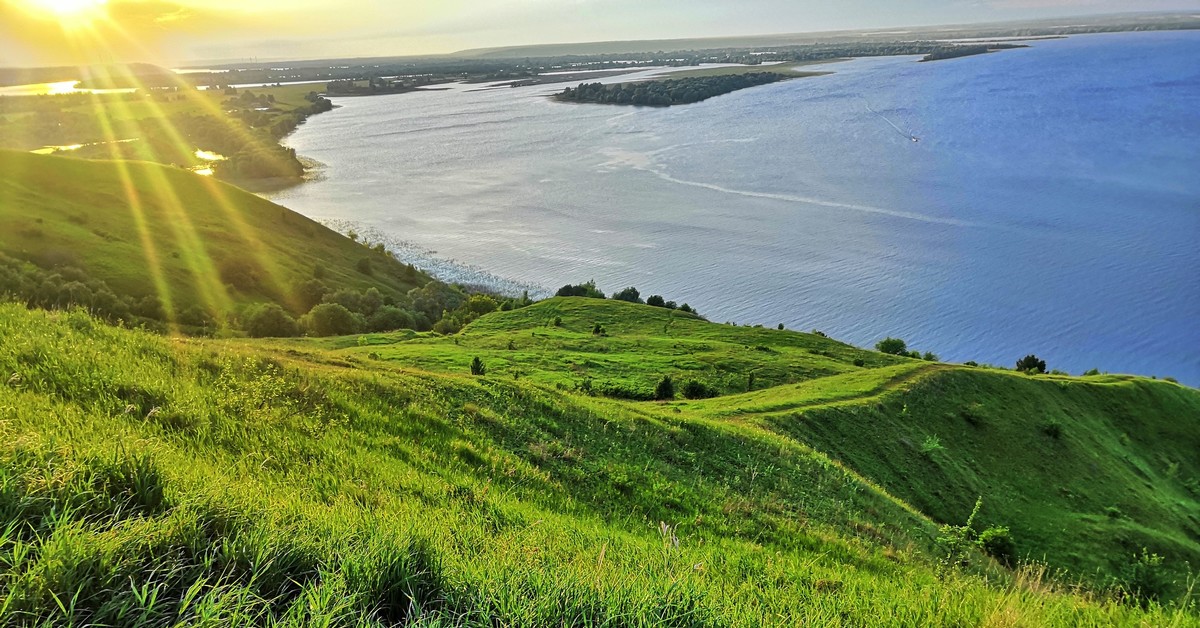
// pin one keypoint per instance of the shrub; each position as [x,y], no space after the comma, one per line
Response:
[1031,364]
[598,330]
[558,321]
[687,309]
[1053,429]
[930,445]
[1092,373]
[859,362]
[242,274]
[268,320]
[656,301]
[697,390]
[665,391]
[1145,579]
[477,367]
[930,357]
[997,543]
[311,292]
[390,318]
[364,266]
[588,290]
[331,319]
[892,346]
[629,295]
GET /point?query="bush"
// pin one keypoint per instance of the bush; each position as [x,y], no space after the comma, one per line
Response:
[930,357]
[1053,429]
[309,293]
[629,295]
[859,362]
[665,391]
[1145,579]
[588,290]
[364,266]
[242,274]
[931,445]
[997,543]
[697,390]
[656,301]
[598,330]
[268,320]
[558,321]
[892,346]
[477,367]
[331,319]
[1031,364]
[390,318]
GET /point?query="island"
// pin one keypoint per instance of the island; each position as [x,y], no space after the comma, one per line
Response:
[668,92]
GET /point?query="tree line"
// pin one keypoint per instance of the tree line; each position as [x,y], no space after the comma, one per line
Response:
[667,92]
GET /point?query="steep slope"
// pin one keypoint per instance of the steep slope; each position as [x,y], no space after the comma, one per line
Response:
[144,479]
[152,230]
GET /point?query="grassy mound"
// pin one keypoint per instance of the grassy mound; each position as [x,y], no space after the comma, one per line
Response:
[192,242]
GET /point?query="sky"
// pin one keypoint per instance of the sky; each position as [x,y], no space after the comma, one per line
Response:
[178,32]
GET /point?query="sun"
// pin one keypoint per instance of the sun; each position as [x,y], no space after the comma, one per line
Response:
[69,10]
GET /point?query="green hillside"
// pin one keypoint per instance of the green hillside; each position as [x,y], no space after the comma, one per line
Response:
[214,482]
[575,461]
[148,230]
[1084,471]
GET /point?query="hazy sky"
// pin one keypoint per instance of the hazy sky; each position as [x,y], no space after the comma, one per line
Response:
[41,32]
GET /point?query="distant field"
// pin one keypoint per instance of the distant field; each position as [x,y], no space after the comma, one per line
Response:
[788,68]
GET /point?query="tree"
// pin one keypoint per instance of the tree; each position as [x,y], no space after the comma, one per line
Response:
[311,292]
[892,346]
[390,318]
[477,367]
[665,391]
[268,320]
[656,301]
[1031,363]
[630,295]
[364,266]
[588,290]
[331,319]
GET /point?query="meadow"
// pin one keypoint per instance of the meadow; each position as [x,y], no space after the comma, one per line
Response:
[156,480]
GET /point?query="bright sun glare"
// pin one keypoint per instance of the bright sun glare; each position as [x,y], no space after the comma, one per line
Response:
[69,9]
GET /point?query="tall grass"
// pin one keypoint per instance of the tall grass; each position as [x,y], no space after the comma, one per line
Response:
[152,481]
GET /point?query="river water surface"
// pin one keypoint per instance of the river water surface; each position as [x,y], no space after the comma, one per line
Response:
[1051,206]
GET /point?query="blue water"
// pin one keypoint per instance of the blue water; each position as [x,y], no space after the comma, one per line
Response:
[1052,205]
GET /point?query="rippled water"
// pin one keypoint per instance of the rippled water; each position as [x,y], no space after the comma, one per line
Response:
[1052,204]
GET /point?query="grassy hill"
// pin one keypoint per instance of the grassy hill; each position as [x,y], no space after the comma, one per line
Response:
[151,230]
[235,482]
[374,480]
[1084,471]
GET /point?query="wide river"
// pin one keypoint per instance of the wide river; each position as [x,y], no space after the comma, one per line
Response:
[1051,206]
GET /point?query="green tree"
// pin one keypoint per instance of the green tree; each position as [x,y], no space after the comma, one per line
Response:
[1031,363]
[268,320]
[477,367]
[331,319]
[665,391]
[892,346]
[630,295]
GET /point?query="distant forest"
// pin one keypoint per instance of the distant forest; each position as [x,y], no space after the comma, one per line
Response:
[666,93]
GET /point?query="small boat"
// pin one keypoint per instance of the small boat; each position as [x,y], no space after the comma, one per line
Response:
[915,138]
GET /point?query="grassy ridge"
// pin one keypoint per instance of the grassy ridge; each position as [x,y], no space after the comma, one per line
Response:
[1085,471]
[148,480]
[147,229]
